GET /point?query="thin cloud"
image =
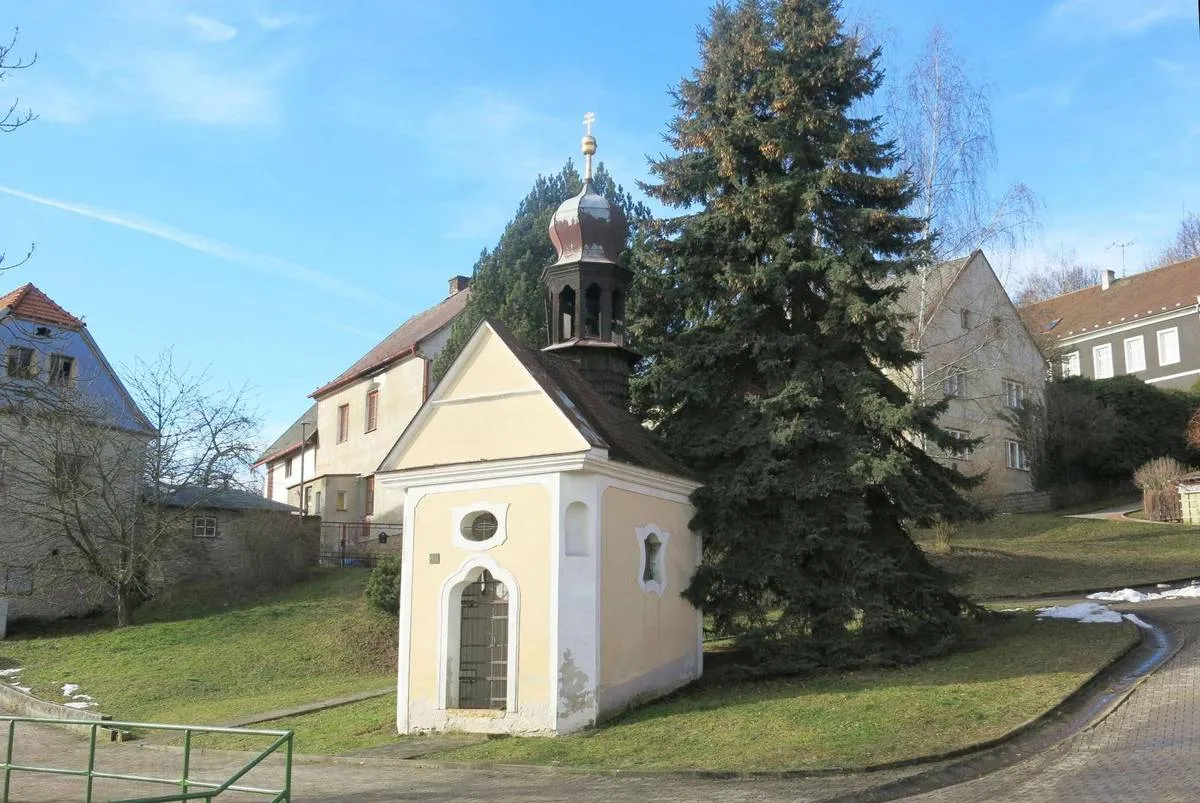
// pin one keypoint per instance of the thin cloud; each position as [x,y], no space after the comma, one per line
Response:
[207,29]
[263,263]
[1102,19]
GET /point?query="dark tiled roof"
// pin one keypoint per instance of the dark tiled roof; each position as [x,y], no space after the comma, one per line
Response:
[602,424]
[401,342]
[223,499]
[289,441]
[30,304]
[1131,298]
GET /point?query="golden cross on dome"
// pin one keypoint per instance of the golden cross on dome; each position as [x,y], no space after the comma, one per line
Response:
[589,145]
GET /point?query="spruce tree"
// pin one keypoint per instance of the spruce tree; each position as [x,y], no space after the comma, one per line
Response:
[767,313]
[507,281]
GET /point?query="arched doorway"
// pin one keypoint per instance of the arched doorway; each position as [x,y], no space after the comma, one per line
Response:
[483,647]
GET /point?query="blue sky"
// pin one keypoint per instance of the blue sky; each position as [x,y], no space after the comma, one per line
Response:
[271,187]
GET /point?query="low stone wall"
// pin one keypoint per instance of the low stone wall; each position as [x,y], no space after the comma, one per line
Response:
[1029,502]
[19,704]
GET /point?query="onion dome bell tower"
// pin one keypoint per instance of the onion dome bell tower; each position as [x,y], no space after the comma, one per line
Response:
[587,287]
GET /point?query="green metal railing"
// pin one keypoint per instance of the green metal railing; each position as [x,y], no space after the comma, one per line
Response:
[189,788]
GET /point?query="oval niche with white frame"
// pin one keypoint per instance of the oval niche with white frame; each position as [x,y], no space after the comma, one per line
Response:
[479,525]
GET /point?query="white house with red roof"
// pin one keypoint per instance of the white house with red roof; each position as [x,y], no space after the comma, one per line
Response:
[325,462]
[48,352]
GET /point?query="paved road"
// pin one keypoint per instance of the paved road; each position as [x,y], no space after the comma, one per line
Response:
[1145,750]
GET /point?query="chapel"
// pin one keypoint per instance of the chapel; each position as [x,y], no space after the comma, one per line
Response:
[545,540]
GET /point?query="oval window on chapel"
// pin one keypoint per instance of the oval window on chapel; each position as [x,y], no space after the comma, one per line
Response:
[479,526]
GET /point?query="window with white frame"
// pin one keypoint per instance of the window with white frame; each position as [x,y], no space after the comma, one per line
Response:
[1135,354]
[1168,346]
[1070,364]
[287,467]
[62,369]
[479,526]
[955,383]
[340,501]
[21,364]
[1014,393]
[1015,456]
[652,558]
[1102,365]
[204,526]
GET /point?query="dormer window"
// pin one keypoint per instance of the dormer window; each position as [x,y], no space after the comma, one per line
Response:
[42,331]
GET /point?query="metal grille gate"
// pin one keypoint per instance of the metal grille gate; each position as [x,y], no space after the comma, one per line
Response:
[483,651]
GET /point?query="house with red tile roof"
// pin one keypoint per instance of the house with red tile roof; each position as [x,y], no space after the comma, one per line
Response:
[1147,324]
[325,462]
[51,360]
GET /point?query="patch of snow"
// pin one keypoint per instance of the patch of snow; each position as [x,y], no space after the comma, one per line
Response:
[1124,595]
[8,673]
[79,705]
[1087,612]
[21,688]
[1163,585]
[1129,595]
[90,697]
[1133,617]
[69,689]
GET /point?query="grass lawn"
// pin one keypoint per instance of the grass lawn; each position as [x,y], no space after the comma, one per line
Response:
[1038,554]
[200,666]
[1021,669]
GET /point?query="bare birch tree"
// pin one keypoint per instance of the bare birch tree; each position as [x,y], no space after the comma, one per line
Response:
[1054,278]
[92,485]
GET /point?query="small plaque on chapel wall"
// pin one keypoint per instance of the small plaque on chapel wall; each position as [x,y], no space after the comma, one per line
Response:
[435,558]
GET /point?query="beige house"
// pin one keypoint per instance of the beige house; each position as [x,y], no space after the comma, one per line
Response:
[980,356]
[354,420]
[546,537]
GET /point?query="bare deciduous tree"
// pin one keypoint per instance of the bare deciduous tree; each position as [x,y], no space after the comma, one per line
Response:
[1186,244]
[1054,278]
[14,118]
[92,485]
[942,121]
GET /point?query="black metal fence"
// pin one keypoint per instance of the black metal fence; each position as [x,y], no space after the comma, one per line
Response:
[358,544]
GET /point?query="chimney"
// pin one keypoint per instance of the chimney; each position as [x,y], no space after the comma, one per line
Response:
[1107,277]
[457,285]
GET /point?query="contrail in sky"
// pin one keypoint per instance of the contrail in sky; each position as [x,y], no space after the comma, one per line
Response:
[229,253]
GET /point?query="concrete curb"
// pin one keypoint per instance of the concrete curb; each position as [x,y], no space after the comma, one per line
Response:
[20,704]
[309,708]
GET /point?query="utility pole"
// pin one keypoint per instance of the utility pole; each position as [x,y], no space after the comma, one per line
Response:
[303,441]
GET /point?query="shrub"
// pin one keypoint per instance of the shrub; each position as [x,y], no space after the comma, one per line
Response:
[1160,497]
[383,586]
[1159,474]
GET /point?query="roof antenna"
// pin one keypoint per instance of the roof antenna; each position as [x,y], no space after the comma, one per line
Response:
[1122,246]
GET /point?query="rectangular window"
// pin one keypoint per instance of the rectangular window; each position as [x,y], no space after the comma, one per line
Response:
[1135,354]
[961,434]
[955,384]
[372,410]
[1014,394]
[1168,346]
[1070,364]
[1015,456]
[287,468]
[20,363]
[369,496]
[68,468]
[340,499]
[307,506]
[1102,361]
[61,367]
[18,580]
[204,526]
[343,429]
[270,482]
[318,507]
